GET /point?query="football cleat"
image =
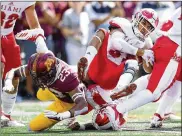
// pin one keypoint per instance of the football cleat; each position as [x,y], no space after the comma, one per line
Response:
[4,121]
[14,123]
[125,92]
[31,34]
[156,121]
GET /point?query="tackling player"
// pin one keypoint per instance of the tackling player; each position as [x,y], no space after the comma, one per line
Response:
[10,51]
[59,83]
[166,71]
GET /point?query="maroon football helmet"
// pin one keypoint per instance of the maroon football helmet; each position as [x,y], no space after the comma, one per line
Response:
[42,68]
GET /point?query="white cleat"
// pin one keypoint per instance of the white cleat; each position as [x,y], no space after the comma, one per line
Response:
[30,34]
[14,123]
[156,121]
[4,121]
[171,117]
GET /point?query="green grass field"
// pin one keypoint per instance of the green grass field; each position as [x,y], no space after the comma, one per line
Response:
[137,125]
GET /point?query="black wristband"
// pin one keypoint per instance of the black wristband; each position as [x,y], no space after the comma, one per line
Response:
[72,114]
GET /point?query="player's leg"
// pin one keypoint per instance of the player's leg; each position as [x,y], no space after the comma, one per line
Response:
[166,104]
[4,120]
[41,122]
[160,79]
[11,52]
[45,95]
[176,91]
[131,66]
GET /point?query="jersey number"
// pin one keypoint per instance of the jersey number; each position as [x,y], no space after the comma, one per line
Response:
[63,74]
[9,22]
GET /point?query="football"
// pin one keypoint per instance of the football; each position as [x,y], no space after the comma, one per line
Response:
[147,69]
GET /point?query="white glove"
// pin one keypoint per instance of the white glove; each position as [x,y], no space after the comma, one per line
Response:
[57,116]
[148,56]
[8,86]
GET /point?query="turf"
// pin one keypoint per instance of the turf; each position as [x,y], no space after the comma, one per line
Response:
[137,125]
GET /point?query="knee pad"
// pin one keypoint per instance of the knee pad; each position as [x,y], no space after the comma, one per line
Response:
[131,66]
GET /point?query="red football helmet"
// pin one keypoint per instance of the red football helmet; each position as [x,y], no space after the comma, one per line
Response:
[108,118]
[42,68]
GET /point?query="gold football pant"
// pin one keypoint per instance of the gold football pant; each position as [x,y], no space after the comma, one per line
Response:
[41,122]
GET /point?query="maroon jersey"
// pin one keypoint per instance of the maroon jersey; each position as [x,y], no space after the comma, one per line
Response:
[65,81]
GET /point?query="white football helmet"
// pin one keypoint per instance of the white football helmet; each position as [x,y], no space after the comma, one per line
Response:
[107,118]
[144,14]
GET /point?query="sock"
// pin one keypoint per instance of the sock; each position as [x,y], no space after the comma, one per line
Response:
[8,102]
[169,98]
[141,98]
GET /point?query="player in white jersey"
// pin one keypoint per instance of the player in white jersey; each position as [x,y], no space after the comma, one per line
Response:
[166,74]
[10,51]
[173,28]
[110,56]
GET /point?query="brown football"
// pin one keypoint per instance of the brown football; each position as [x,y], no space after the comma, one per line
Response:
[147,69]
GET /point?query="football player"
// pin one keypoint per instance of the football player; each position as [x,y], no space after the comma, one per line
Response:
[109,62]
[59,83]
[165,73]
[10,51]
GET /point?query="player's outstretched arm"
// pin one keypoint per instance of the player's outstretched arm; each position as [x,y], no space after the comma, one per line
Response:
[79,108]
[21,71]
[92,49]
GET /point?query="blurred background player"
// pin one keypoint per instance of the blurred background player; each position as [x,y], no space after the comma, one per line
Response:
[10,57]
[59,84]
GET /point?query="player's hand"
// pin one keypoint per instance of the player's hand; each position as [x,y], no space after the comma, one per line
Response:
[57,116]
[8,86]
[30,34]
[52,115]
[148,56]
[74,126]
[82,68]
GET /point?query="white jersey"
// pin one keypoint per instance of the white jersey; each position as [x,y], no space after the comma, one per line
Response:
[175,32]
[127,36]
[10,12]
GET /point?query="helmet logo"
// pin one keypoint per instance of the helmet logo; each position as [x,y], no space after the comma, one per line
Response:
[48,63]
[35,63]
[156,21]
[147,14]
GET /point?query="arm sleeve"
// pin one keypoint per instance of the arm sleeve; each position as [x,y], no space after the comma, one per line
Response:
[118,43]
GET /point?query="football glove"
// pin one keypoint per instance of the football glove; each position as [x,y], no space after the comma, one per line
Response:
[57,116]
